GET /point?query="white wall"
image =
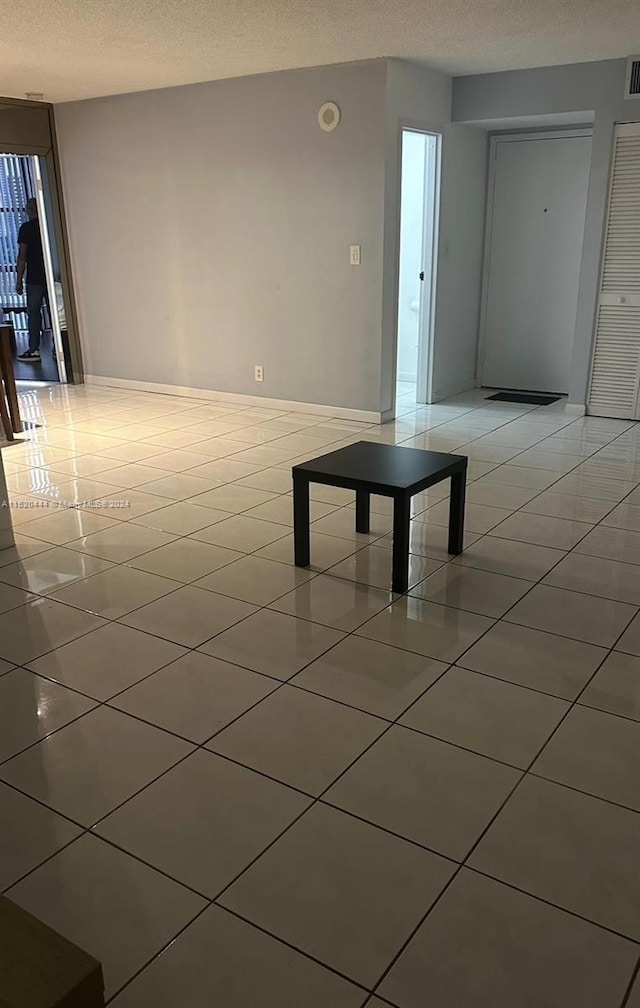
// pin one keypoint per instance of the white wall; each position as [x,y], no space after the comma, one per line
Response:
[210,228]
[411,241]
[595,88]
[461,241]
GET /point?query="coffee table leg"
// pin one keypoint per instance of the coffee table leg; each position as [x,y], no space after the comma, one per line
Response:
[401,519]
[362,511]
[301,535]
[4,416]
[456,512]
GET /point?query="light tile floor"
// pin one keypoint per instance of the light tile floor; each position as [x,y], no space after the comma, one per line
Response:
[238,783]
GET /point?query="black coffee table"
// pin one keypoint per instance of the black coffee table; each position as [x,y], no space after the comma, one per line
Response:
[388,470]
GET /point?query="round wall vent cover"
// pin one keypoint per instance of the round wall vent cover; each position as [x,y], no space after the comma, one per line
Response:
[328,116]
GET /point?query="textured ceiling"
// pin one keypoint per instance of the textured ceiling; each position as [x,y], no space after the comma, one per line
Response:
[82,48]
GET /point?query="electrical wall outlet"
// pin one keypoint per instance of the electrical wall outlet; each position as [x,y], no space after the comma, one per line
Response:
[258,372]
[354,255]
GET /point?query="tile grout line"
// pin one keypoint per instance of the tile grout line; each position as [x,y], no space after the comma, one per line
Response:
[493,819]
[329,649]
[267,606]
[634,976]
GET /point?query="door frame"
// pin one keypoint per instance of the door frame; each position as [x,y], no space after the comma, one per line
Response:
[428,287]
[37,139]
[494,140]
[46,225]
[426,327]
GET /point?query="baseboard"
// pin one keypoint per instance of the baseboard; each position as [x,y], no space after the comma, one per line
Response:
[209,395]
[406,376]
[575,409]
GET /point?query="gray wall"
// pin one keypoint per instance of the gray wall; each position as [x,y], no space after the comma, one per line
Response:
[462,221]
[578,88]
[210,228]
[421,98]
[210,224]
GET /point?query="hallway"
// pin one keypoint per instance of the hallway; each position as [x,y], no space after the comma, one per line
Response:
[243,784]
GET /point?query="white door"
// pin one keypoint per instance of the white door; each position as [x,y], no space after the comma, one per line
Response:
[535,248]
[412,193]
[428,273]
[615,375]
[419,198]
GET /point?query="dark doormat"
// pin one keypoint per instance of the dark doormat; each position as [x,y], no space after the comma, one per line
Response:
[525,397]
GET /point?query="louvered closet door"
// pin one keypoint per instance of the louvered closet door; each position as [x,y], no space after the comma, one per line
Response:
[615,377]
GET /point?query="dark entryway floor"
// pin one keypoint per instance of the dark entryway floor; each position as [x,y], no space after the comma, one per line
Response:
[46,370]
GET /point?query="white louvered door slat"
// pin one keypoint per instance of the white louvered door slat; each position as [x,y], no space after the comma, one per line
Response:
[615,374]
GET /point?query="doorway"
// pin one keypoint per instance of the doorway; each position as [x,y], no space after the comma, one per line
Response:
[23,177]
[419,199]
[536,214]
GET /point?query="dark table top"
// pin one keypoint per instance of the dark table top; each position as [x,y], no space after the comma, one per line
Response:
[381,465]
[40,968]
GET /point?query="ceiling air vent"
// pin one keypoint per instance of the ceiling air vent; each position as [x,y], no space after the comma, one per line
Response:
[632,83]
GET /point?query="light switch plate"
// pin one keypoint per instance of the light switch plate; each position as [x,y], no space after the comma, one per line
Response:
[354,255]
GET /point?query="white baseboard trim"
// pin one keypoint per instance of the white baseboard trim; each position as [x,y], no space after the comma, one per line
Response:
[575,409]
[406,376]
[209,395]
